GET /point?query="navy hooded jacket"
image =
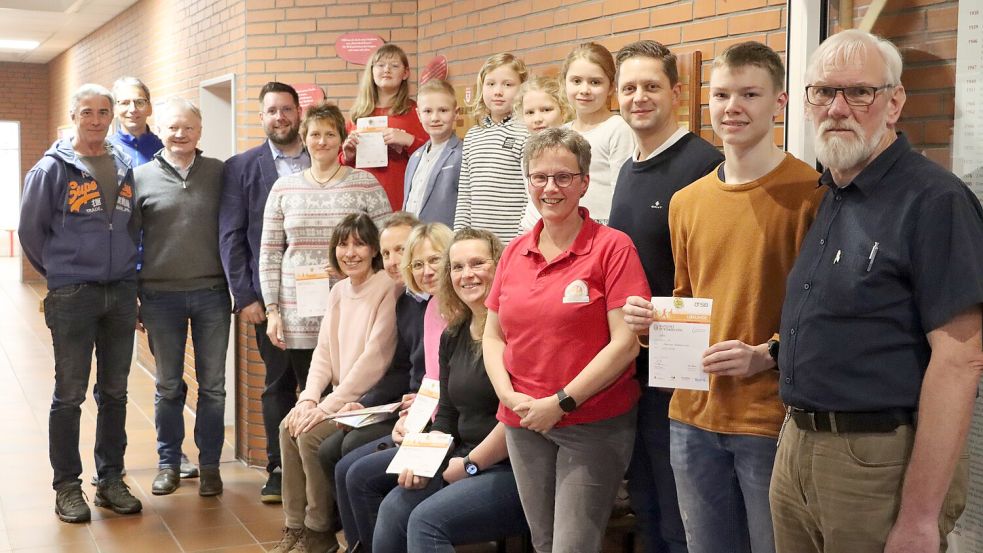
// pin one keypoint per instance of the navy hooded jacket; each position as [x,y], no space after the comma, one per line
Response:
[66,232]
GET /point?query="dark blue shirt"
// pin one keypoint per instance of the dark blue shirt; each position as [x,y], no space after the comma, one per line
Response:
[890,257]
[141,149]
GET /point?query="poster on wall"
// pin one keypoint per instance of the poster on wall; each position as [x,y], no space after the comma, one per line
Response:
[309,95]
[357,47]
[967,163]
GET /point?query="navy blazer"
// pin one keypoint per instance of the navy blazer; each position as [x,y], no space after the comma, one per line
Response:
[440,196]
[246,183]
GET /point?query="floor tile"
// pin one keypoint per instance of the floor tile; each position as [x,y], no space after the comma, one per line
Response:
[201,539]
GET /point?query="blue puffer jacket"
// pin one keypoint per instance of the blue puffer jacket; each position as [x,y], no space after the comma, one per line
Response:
[66,232]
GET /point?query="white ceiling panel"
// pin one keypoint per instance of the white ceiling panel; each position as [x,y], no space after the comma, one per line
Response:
[56,24]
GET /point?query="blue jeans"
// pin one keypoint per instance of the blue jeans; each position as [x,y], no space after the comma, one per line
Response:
[651,486]
[166,316]
[474,509]
[722,481]
[362,483]
[80,317]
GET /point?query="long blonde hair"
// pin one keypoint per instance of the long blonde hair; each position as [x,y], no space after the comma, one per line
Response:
[368,92]
[452,308]
[478,108]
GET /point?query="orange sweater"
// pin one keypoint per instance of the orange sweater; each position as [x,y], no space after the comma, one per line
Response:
[736,244]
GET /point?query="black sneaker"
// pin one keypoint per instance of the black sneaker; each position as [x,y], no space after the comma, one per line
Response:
[210,483]
[115,495]
[271,491]
[188,469]
[71,506]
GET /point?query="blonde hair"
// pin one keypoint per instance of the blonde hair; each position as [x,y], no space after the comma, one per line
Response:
[452,308]
[439,236]
[547,85]
[437,86]
[478,108]
[368,92]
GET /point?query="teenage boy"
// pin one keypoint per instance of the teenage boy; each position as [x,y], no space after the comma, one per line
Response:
[433,170]
[666,159]
[735,234]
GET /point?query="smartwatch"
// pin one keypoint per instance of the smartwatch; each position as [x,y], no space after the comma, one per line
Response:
[470,468]
[773,346]
[567,403]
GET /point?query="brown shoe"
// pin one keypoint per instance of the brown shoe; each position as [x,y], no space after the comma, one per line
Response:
[290,538]
[210,482]
[316,542]
[166,482]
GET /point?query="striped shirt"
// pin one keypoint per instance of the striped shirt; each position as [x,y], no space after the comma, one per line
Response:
[297,226]
[491,193]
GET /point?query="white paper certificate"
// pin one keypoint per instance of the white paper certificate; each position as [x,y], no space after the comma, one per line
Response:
[424,406]
[421,453]
[371,150]
[677,340]
[313,285]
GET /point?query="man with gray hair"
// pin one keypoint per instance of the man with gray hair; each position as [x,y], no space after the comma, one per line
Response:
[132,109]
[880,337]
[75,209]
[175,210]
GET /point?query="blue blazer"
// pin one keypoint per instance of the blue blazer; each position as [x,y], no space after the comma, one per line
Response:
[246,183]
[440,196]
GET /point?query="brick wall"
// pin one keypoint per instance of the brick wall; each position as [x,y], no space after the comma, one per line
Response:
[24,98]
[925,30]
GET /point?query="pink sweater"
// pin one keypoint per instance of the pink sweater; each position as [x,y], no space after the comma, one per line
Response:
[433,327]
[353,355]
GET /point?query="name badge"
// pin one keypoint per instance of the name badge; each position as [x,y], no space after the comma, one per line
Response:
[576,292]
[509,143]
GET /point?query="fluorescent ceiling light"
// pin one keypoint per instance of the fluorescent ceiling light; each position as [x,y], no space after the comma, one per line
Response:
[25,45]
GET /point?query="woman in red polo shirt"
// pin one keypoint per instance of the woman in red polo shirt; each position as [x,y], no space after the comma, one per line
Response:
[559,354]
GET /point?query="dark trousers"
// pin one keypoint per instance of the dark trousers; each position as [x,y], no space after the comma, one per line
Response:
[283,377]
[651,485]
[82,317]
[360,487]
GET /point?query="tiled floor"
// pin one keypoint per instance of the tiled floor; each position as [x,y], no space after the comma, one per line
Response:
[183,522]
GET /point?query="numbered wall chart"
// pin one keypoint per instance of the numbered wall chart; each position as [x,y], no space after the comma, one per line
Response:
[967,163]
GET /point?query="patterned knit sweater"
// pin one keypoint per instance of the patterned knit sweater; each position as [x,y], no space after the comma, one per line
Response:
[297,225]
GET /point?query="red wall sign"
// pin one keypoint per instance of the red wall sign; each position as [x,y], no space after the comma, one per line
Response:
[310,94]
[357,47]
[435,69]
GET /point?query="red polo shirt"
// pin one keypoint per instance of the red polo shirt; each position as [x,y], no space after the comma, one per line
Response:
[554,315]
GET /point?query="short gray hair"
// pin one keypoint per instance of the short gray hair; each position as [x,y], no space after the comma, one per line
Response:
[176,103]
[131,81]
[847,46]
[558,137]
[87,91]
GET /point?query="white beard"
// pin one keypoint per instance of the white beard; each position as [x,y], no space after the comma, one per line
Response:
[839,153]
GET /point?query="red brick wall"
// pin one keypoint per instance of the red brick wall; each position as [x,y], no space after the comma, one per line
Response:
[24,98]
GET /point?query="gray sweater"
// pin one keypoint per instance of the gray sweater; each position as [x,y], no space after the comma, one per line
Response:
[179,220]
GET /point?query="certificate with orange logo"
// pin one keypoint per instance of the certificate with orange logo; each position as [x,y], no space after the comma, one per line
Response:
[421,453]
[313,284]
[371,150]
[678,337]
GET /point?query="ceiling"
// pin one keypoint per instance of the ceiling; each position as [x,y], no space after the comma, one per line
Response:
[56,24]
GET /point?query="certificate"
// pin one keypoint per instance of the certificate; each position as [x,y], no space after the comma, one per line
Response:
[313,284]
[424,406]
[371,150]
[677,340]
[357,418]
[421,453]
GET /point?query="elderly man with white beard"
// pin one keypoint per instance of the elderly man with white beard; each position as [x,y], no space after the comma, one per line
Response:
[880,354]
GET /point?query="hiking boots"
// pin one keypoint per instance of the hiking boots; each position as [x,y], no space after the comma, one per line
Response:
[115,495]
[290,538]
[70,505]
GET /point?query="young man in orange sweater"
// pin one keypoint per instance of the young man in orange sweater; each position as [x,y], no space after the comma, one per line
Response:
[735,234]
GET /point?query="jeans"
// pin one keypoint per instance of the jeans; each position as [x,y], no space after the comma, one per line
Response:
[474,509]
[722,482]
[166,316]
[568,480]
[651,486]
[362,483]
[80,317]
[279,391]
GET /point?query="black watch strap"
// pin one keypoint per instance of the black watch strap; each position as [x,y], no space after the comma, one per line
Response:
[567,403]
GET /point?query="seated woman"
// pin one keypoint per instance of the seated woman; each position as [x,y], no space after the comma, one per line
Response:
[559,353]
[418,338]
[350,357]
[475,498]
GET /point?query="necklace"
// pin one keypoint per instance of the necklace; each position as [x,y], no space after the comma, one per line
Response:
[327,180]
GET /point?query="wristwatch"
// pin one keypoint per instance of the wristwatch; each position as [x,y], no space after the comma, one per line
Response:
[469,467]
[773,346]
[567,403]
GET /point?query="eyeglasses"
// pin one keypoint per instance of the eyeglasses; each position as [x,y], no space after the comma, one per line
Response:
[474,264]
[392,66]
[434,262]
[562,180]
[139,103]
[860,96]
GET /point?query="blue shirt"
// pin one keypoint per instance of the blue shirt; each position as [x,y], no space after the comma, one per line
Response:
[141,149]
[289,165]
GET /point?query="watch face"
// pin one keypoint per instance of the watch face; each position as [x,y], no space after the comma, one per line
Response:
[471,468]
